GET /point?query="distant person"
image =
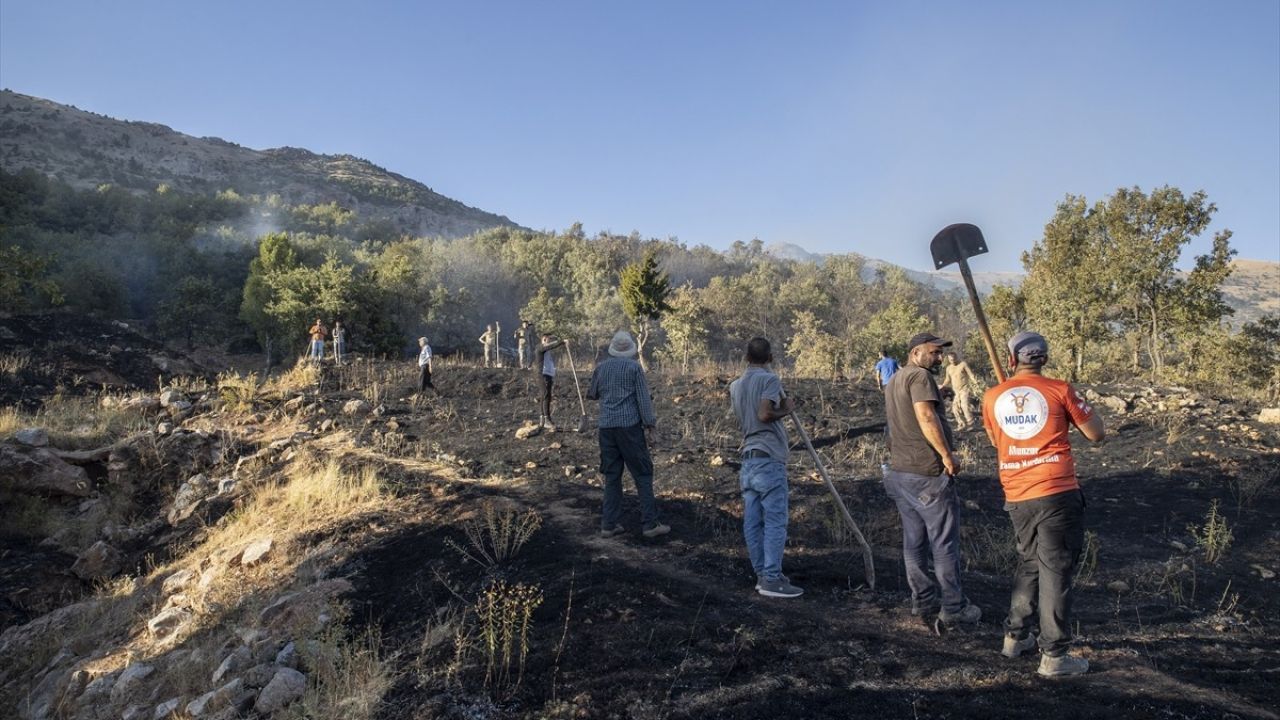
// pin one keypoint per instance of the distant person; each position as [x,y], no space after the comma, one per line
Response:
[523,336]
[547,364]
[318,332]
[884,369]
[761,406]
[920,480]
[626,413]
[1027,419]
[424,365]
[486,340]
[964,384]
[339,342]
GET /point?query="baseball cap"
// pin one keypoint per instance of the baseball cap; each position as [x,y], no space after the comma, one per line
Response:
[1028,346]
[926,338]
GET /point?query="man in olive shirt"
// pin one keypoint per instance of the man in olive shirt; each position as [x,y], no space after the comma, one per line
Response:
[919,480]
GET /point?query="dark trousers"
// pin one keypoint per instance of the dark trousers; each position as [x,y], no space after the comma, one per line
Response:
[627,446]
[1050,532]
[424,378]
[930,513]
[547,381]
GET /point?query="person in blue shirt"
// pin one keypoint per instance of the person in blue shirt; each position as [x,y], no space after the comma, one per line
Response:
[885,368]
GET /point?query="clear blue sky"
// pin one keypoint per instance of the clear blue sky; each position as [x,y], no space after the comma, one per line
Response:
[863,126]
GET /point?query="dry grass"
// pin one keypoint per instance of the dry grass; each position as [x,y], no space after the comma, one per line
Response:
[348,677]
[76,422]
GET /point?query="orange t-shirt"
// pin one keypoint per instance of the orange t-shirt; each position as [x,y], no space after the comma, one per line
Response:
[1029,417]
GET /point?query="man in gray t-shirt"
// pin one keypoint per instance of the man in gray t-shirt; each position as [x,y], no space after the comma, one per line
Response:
[920,479]
[761,406]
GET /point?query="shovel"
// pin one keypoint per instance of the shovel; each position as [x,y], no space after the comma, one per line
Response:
[956,244]
[582,421]
[868,562]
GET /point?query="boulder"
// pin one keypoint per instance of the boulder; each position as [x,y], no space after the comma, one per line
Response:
[1269,416]
[230,664]
[166,709]
[285,686]
[31,437]
[202,705]
[294,404]
[1119,587]
[256,552]
[171,396]
[188,498]
[177,581]
[356,407]
[128,680]
[169,621]
[36,470]
[100,561]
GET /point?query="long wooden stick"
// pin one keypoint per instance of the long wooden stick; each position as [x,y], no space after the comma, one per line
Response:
[581,403]
[982,318]
[868,562]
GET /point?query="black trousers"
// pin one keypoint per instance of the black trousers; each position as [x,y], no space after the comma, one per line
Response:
[547,381]
[1050,532]
[424,378]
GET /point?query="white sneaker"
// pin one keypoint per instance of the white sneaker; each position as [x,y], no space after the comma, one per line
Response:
[1014,647]
[1062,665]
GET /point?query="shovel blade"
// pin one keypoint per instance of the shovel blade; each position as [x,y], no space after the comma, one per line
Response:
[955,243]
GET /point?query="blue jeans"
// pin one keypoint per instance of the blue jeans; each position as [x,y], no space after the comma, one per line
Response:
[764,514]
[626,446]
[317,349]
[930,512]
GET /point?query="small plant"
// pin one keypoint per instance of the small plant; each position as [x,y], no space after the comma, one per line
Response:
[504,613]
[497,534]
[1179,582]
[1088,558]
[1245,486]
[990,548]
[1214,537]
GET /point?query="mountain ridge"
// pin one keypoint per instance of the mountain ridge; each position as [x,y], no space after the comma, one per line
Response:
[86,150]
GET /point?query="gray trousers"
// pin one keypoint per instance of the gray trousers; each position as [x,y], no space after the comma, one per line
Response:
[1050,532]
[930,513]
[619,447]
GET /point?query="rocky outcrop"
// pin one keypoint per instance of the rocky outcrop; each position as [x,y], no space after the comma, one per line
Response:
[38,471]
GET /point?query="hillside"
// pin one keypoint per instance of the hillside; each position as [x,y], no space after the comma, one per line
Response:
[87,150]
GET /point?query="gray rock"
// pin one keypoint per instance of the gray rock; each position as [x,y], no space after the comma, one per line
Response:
[135,712]
[327,425]
[288,656]
[188,498]
[259,675]
[100,561]
[202,705]
[171,396]
[166,708]
[178,407]
[230,664]
[1269,416]
[294,404]
[256,552]
[1118,586]
[286,686]
[528,430]
[97,689]
[38,471]
[226,485]
[32,437]
[129,679]
[164,428]
[177,581]
[169,621]
[355,407]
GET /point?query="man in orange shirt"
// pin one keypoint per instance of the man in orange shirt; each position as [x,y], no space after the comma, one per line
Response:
[1027,418]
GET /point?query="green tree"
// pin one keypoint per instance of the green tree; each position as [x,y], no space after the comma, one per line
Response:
[686,326]
[190,311]
[24,278]
[276,257]
[644,290]
[816,353]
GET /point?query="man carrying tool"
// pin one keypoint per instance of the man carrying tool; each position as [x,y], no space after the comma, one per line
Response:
[339,342]
[761,406]
[543,359]
[486,339]
[884,369]
[962,387]
[1027,419]
[920,480]
[626,414]
[524,340]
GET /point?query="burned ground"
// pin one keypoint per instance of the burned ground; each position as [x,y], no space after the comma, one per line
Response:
[671,628]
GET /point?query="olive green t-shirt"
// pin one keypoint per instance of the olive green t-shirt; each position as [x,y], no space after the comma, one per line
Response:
[909,451]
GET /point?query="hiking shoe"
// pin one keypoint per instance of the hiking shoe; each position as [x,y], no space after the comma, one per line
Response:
[780,588]
[1062,665]
[970,613]
[1013,647]
[617,530]
[656,530]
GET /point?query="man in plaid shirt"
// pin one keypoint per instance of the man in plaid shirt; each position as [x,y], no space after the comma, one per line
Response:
[626,412]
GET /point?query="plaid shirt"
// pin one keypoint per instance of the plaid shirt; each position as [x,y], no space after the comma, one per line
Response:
[619,385]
